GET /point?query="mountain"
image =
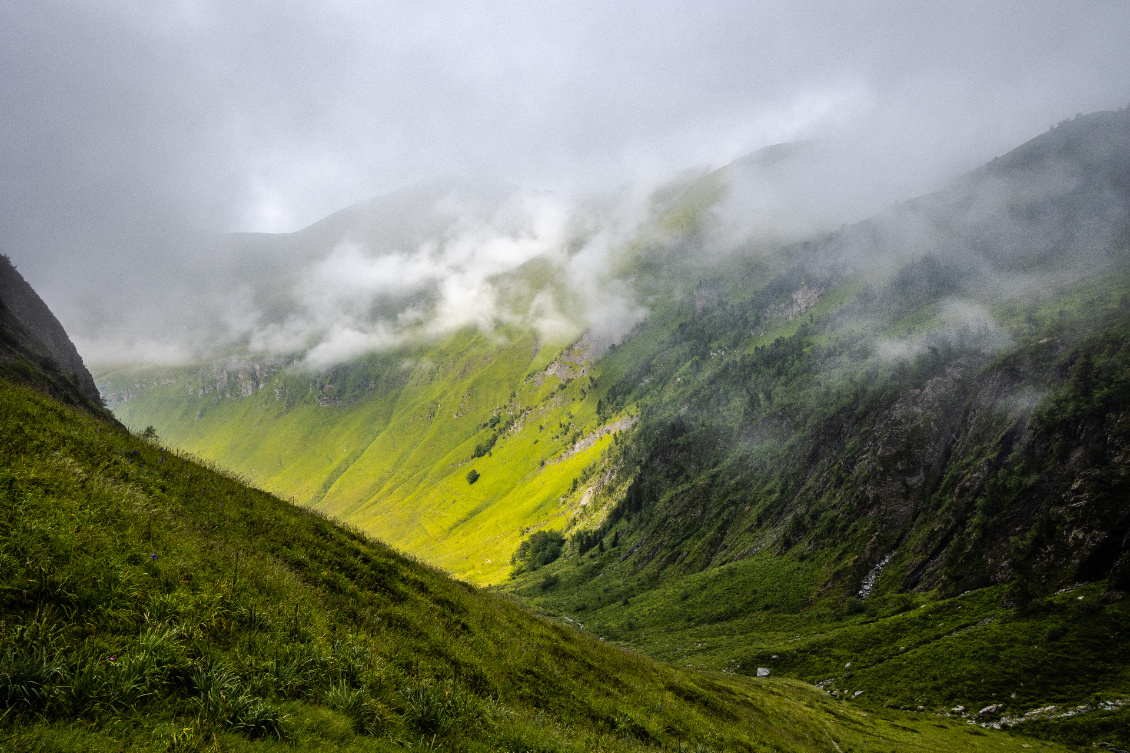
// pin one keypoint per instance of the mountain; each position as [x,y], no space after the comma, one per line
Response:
[405,422]
[924,414]
[890,459]
[151,602]
[35,349]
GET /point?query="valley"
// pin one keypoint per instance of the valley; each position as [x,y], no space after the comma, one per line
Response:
[886,465]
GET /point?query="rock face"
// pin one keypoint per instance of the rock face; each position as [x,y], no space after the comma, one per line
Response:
[33,338]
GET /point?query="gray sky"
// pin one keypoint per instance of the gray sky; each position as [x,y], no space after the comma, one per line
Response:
[123,121]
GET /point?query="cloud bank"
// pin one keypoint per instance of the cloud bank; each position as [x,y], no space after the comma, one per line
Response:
[127,126]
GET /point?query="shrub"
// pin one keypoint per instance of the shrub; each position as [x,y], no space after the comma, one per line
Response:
[540,549]
[472,476]
[484,447]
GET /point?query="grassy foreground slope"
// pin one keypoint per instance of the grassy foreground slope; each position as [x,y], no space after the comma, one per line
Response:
[150,602]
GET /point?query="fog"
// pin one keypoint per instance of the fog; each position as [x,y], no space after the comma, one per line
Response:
[132,135]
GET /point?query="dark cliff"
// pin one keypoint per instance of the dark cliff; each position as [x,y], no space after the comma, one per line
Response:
[34,347]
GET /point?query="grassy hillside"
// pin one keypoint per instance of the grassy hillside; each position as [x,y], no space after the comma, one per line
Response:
[152,603]
[387,443]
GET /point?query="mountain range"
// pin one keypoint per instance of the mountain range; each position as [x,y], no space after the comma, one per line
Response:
[888,460]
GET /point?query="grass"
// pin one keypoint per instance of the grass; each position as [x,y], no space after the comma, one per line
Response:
[151,602]
[911,651]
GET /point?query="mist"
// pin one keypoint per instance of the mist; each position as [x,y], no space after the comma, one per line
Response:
[137,139]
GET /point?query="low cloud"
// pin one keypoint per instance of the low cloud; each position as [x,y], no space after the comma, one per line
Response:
[432,259]
[529,260]
[960,325]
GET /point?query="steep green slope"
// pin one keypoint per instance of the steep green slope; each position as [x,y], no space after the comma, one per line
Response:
[149,602]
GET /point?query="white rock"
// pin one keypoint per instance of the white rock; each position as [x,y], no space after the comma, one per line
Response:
[762,671]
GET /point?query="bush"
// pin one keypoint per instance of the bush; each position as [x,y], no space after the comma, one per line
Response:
[472,476]
[540,549]
[484,447]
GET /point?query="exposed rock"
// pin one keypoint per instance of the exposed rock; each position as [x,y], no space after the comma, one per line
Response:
[869,581]
[762,671]
[989,710]
[30,332]
[586,442]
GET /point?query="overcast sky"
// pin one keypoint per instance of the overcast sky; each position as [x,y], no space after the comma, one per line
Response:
[121,120]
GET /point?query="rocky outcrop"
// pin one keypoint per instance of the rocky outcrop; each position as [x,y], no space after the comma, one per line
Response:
[35,347]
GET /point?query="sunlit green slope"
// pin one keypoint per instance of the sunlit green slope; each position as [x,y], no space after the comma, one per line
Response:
[387,443]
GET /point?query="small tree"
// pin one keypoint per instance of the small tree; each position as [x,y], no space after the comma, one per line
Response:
[472,476]
[150,434]
[540,549]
